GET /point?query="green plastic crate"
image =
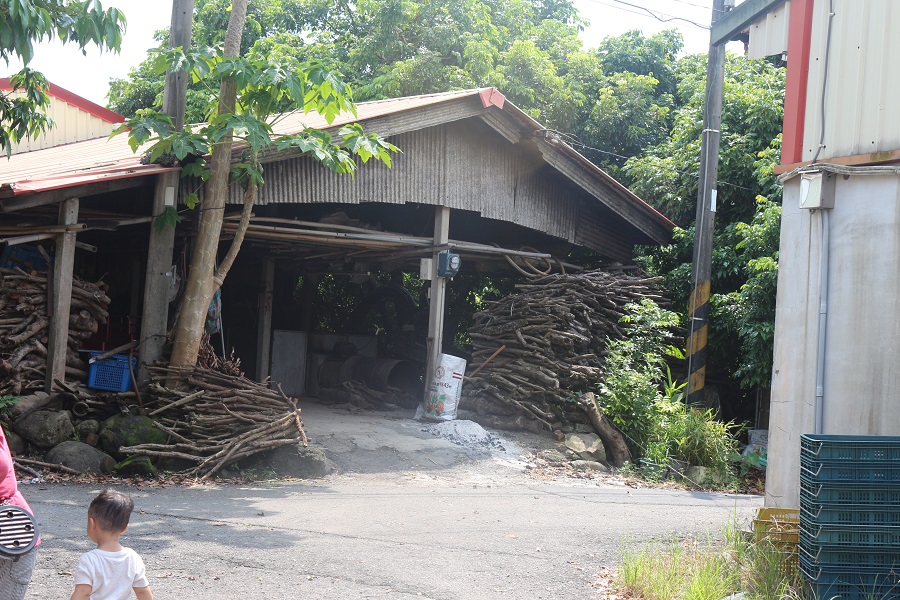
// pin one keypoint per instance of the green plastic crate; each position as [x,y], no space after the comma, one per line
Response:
[856,448]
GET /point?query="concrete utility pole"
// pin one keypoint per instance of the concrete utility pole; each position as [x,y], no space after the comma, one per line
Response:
[698,308]
[435,340]
[155,315]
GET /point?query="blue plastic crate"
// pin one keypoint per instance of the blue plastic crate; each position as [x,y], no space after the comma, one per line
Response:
[850,535]
[856,448]
[830,583]
[817,471]
[851,558]
[111,374]
[829,493]
[864,516]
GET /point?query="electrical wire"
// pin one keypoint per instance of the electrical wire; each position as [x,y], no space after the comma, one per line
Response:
[825,80]
[573,140]
[659,16]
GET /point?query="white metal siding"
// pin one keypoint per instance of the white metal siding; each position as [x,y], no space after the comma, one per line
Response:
[769,35]
[861,115]
[71,125]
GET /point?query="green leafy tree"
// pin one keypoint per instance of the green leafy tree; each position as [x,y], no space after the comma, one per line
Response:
[24,22]
[627,90]
[390,48]
[745,246]
[251,93]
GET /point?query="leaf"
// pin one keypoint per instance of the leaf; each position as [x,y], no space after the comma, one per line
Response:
[191,200]
[169,218]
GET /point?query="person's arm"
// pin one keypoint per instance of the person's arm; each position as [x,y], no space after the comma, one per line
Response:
[143,593]
[83,592]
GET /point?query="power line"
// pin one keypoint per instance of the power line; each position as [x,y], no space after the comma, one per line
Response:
[659,16]
[573,140]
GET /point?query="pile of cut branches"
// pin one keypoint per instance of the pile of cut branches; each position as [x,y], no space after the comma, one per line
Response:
[546,344]
[215,419]
[24,321]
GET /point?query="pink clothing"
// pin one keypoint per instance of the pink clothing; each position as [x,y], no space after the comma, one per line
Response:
[9,488]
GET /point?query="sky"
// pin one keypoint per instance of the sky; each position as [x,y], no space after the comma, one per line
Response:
[89,75]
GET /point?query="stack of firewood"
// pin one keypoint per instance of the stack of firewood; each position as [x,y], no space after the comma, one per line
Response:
[24,321]
[547,342]
[214,419]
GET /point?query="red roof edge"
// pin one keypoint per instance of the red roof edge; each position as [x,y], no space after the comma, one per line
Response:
[75,100]
[491,97]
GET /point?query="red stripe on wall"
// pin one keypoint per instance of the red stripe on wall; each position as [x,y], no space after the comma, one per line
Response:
[799,42]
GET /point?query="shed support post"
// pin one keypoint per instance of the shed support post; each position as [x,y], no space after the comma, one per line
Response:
[264,330]
[435,342]
[155,314]
[61,302]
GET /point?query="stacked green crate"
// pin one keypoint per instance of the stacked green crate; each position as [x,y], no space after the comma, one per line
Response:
[850,516]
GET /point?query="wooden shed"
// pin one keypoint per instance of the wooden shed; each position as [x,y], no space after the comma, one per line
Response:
[477,177]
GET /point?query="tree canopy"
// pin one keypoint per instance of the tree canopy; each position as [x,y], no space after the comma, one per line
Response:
[633,105]
[26,22]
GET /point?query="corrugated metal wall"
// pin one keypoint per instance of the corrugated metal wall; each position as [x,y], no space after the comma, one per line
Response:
[465,166]
[770,35]
[72,125]
[863,81]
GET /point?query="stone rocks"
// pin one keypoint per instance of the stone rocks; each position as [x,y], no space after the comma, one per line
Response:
[705,476]
[29,404]
[589,465]
[586,445]
[81,457]
[44,428]
[87,427]
[128,430]
[552,455]
[296,461]
[15,442]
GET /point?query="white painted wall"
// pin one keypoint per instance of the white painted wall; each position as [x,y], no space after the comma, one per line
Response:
[862,366]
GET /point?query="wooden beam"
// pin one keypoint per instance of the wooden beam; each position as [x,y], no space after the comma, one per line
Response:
[739,19]
[61,300]
[435,341]
[264,328]
[155,313]
[79,191]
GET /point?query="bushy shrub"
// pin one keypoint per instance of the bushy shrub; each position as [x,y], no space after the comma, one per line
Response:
[638,394]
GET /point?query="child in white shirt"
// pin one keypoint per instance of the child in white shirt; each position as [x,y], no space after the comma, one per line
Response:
[111,571]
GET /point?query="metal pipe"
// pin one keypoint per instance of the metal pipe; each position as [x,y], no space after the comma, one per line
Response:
[823,322]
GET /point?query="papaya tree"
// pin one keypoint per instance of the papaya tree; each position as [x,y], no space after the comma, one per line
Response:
[253,96]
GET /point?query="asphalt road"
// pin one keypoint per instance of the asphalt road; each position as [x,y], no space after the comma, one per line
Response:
[410,514]
[449,534]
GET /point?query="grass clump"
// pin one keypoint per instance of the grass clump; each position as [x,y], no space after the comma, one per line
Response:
[689,571]
[684,571]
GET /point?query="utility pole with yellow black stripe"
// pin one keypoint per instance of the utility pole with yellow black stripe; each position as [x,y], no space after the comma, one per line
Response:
[698,308]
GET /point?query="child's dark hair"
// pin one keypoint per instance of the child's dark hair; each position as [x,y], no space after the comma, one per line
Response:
[111,510]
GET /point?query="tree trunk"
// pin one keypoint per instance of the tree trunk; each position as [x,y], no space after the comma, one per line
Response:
[617,451]
[200,282]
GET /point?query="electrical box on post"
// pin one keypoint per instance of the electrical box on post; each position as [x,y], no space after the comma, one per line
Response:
[817,190]
[448,264]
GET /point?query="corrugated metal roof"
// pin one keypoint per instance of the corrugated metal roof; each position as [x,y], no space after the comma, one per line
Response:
[80,158]
[552,210]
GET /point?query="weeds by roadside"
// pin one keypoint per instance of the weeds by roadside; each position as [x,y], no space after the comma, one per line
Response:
[689,570]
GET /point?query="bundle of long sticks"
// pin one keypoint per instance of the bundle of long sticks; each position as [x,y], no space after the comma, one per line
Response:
[551,338]
[24,322]
[215,419]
